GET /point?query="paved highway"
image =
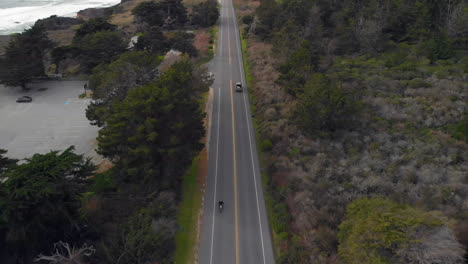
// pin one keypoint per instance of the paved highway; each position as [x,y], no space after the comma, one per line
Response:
[240,234]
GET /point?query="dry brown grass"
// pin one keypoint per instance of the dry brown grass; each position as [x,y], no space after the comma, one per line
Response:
[61,37]
[245,7]
[190,3]
[124,19]
[202,42]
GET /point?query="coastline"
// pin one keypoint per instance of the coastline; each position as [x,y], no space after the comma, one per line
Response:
[4,39]
[16,18]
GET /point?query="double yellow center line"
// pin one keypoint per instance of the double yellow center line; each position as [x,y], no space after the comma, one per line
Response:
[229,44]
[236,218]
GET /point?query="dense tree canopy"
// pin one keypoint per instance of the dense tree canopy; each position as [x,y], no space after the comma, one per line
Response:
[101,47]
[367,22]
[23,59]
[142,239]
[92,26]
[111,82]
[325,106]
[205,14]
[183,42]
[146,12]
[167,14]
[39,200]
[154,41]
[156,130]
[298,69]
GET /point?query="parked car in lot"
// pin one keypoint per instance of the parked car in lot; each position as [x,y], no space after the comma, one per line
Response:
[238,87]
[24,99]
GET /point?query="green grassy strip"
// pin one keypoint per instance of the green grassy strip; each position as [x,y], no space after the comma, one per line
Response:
[189,207]
[213,39]
[248,76]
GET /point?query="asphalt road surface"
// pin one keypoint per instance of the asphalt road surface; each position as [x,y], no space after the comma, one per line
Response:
[54,120]
[240,234]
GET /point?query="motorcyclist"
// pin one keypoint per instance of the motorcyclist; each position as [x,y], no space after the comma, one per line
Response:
[220,205]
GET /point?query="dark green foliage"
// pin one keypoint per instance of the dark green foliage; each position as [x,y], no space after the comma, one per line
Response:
[296,253]
[122,74]
[111,82]
[103,182]
[5,162]
[153,41]
[397,58]
[23,59]
[360,25]
[168,14]
[282,217]
[440,48]
[298,69]
[101,47]
[267,12]
[92,26]
[325,106]
[148,12]
[63,52]
[58,23]
[266,145]
[155,131]
[95,42]
[40,199]
[183,42]
[459,130]
[205,14]
[418,83]
[248,19]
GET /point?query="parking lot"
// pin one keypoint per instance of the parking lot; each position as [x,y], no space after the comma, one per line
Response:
[54,120]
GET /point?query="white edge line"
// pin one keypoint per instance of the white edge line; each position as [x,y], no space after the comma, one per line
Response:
[216,181]
[248,130]
[217,154]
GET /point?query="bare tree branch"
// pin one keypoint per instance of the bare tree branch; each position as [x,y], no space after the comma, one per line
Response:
[64,254]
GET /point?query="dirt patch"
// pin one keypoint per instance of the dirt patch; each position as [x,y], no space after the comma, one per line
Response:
[92,205]
[281,178]
[104,166]
[62,37]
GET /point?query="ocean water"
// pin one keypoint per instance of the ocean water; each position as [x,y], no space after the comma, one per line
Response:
[17,15]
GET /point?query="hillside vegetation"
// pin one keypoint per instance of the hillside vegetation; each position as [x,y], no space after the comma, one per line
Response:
[362,99]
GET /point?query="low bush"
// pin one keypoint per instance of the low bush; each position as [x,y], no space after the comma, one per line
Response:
[378,230]
[248,19]
[459,130]
[148,236]
[266,145]
[418,83]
